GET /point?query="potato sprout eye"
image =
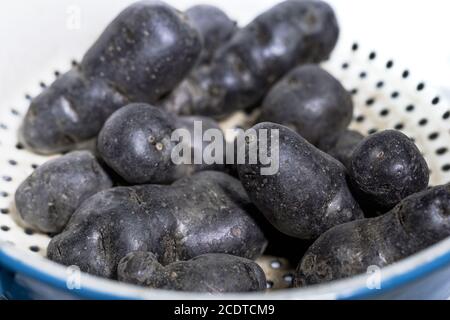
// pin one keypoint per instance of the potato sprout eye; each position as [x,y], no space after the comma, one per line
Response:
[159,146]
[152,139]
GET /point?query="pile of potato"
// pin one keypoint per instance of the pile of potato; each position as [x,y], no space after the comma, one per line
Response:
[122,209]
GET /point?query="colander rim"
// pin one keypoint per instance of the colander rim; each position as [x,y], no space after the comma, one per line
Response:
[394,276]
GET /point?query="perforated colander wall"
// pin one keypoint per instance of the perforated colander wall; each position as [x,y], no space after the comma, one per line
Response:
[387,95]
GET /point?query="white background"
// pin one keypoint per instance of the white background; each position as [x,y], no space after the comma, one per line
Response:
[35,32]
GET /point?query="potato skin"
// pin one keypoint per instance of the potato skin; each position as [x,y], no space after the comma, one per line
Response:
[242,71]
[50,195]
[142,55]
[310,101]
[212,273]
[386,167]
[206,213]
[72,110]
[419,221]
[214,27]
[309,194]
[343,147]
[136,143]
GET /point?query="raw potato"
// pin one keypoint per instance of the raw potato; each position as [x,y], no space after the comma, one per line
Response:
[50,195]
[136,142]
[308,195]
[212,273]
[141,56]
[343,148]
[310,101]
[416,223]
[206,213]
[386,167]
[214,26]
[242,71]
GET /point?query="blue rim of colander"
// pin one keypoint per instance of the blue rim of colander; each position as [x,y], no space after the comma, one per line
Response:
[389,284]
[12,264]
[402,279]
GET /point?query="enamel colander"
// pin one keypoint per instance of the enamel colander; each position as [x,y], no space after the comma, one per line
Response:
[387,95]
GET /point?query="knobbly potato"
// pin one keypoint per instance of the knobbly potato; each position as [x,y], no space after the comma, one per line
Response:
[386,167]
[206,213]
[136,143]
[243,70]
[310,101]
[343,148]
[141,56]
[50,195]
[308,195]
[214,27]
[212,273]
[416,223]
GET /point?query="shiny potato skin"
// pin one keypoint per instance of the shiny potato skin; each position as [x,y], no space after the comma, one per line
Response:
[142,55]
[136,143]
[211,273]
[108,226]
[343,148]
[308,195]
[386,167]
[145,51]
[50,195]
[217,201]
[241,72]
[69,112]
[310,101]
[214,27]
[419,221]
[206,213]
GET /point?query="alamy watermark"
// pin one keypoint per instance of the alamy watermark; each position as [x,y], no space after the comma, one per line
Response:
[373,281]
[73,20]
[73,278]
[210,147]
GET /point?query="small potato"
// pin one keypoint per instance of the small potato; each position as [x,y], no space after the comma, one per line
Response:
[416,223]
[136,143]
[310,101]
[214,27]
[50,195]
[343,148]
[243,70]
[212,273]
[386,167]
[206,213]
[141,56]
[309,193]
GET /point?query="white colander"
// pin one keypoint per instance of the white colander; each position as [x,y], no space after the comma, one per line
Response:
[387,95]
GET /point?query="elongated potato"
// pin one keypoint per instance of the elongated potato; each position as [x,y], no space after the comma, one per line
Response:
[307,195]
[206,213]
[50,195]
[416,223]
[241,72]
[213,273]
[141,56]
